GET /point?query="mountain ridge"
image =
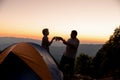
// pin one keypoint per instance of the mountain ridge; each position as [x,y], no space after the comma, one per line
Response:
[56,49]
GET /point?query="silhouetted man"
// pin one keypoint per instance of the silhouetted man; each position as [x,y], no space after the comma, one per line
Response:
[68,58]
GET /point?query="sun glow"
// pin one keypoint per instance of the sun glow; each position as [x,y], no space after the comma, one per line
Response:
[93,20]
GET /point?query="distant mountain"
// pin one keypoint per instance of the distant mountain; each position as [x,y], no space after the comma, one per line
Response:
[89,49]
[6,41]
[56,49]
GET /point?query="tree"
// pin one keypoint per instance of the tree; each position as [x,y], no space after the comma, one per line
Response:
[107,58]
[83,64]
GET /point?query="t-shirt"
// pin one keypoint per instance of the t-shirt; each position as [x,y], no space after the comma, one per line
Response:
[45,43]
[71,51]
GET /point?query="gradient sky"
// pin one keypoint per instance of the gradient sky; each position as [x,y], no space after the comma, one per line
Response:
[95,20]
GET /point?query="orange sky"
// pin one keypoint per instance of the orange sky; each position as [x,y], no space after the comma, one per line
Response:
[95,20]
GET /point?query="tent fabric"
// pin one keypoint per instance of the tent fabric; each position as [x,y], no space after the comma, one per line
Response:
[36,58]
[13,68]
[53,67]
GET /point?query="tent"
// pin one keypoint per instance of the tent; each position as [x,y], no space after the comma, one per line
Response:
[27,61]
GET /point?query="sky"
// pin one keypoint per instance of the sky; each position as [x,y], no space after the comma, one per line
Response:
[94,20]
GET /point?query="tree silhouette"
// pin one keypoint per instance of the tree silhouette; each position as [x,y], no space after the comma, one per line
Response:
[83,64]
[107,59]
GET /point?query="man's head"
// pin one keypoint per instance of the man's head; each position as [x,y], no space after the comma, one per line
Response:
[73,34]
[45,31]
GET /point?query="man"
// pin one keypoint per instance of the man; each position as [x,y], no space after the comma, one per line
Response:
[68,58]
